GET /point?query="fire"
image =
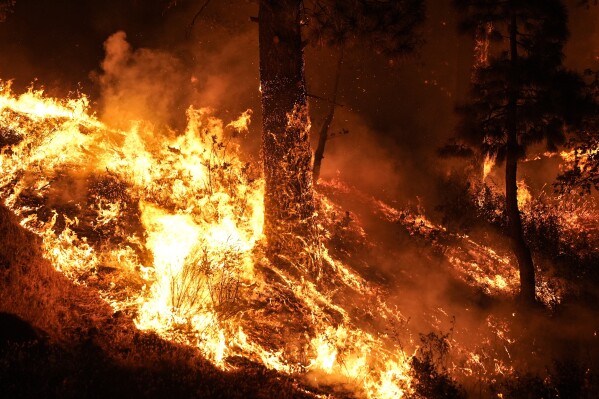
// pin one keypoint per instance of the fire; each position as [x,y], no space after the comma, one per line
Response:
[488,165]
[524,196]
[578,156]
[174,222]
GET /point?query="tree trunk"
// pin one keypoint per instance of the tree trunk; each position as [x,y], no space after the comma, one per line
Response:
[288,199]
[519,246]
[324,131]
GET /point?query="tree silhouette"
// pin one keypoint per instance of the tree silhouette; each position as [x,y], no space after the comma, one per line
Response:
[523,96]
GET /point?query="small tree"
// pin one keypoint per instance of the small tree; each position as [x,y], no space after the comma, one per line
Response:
[388,27]
[523,96]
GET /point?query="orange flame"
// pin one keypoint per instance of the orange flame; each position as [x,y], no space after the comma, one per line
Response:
[178,219]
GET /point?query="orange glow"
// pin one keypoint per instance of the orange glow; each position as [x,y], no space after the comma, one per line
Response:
[180,219]
[488,165]
[182,222]
[524,196]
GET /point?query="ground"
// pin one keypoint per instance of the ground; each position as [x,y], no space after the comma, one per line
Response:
[472,336]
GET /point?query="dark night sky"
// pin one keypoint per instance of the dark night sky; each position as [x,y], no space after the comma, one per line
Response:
[396,116]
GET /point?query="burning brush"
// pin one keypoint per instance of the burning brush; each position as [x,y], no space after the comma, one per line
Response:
[168,228]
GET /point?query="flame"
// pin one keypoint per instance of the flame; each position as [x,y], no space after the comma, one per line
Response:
[481,46]
[174,222]
[488,165]
[177,220]
[242,123]
[581,162]
[580,157]
[524,196]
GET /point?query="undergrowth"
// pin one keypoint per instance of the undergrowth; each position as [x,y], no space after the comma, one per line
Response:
[559,228]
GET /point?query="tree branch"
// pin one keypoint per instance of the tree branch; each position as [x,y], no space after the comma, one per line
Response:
[195,17]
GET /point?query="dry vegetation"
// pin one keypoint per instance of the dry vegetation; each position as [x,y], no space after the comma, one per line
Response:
[85,350]
[385,302]
[82,350]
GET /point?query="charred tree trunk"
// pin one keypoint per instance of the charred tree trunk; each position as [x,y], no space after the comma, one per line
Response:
[288,198]
[324,131]
[519,246]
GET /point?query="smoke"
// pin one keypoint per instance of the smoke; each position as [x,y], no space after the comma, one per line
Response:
[226,76]
[157,84]
[141,84]
[358,156]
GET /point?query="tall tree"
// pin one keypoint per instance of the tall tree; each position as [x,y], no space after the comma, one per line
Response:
[288,196]
[524,95]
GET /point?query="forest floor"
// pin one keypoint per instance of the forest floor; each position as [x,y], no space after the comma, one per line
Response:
[68,343]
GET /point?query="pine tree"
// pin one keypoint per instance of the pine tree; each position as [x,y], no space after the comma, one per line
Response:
[523,96]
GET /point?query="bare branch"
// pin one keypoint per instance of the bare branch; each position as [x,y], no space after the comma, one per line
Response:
[195,17]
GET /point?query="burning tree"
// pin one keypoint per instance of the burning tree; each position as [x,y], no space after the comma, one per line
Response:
[522,96]
[288,199]
[389,25]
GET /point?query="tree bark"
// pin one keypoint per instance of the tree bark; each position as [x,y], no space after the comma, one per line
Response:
[288,198]
[324,131]
[519,246]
